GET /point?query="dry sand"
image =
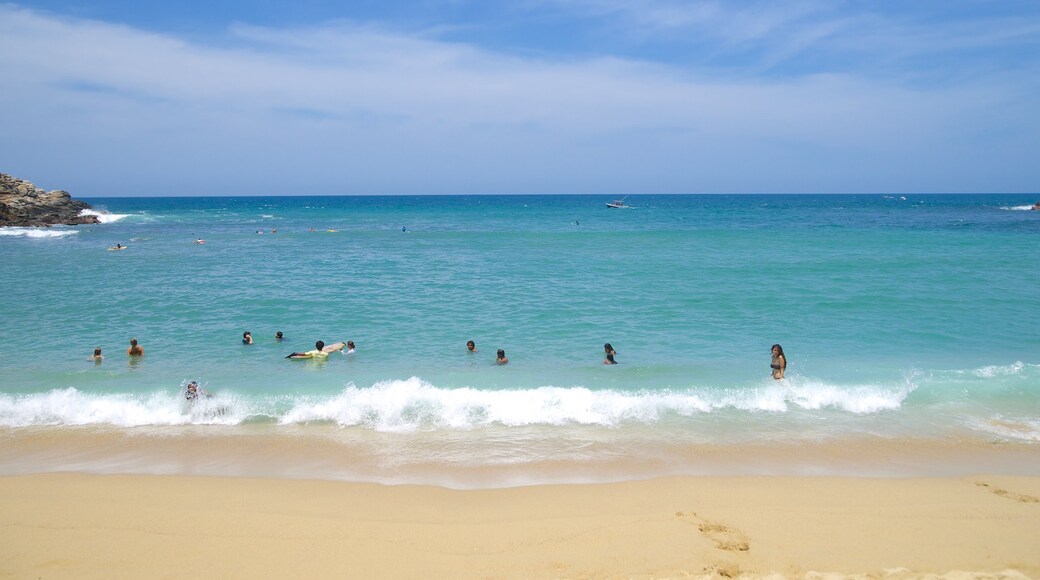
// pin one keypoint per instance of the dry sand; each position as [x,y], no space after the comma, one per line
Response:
[92,526]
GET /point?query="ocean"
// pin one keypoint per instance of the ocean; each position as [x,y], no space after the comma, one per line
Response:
[911,326]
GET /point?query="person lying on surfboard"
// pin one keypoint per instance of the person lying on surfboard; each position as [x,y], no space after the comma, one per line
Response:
[320,350]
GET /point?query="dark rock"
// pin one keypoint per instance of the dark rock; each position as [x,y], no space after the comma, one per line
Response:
[24,204]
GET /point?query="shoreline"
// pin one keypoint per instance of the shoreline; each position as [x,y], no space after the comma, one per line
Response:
[91,526]
[489,459]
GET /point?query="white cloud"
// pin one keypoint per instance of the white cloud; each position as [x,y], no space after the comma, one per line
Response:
[348,108]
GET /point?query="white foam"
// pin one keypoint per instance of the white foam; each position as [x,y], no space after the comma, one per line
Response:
[414,404]
[989,372]
[36,232]
[1017,208]
[72,407]
[103,216]
[1009,429]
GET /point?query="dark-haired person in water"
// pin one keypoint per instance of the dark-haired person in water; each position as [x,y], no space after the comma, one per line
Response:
[471,346]
[135,349]
[501,358]
[779,362]
[193,392]
[320,351]
[247,337]
[609,350]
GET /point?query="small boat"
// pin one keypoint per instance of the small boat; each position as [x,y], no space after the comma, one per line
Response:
[619,203]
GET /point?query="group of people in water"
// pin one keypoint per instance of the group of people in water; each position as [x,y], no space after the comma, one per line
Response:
[135,350]
[778,362]
[321,351]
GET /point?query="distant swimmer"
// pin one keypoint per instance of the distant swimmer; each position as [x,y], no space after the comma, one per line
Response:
[199,241]
[247,338]
[194,391]
[501,358]
[610,354]
[260,232]
[320,351]
[779,362]
[135,349]
[312,230]
[332,230]
[116,247]
[471,346]
[97,355]
[278,336]
[350,347]
[404,229]
[274,230]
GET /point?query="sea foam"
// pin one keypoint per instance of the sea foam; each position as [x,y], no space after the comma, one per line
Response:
[414,404]
[1017,208]
[36,232]
[103,216]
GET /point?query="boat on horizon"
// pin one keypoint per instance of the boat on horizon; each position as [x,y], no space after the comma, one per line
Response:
[619,203]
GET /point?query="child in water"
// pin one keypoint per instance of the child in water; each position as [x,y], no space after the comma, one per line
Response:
[193,391]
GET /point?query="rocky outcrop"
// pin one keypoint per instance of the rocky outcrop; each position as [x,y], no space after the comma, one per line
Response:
[24,204]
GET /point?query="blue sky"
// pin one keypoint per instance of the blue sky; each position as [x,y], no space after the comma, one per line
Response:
[533,96]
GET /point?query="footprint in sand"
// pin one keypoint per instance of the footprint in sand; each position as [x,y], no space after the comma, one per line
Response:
[724,537]
[1008,494]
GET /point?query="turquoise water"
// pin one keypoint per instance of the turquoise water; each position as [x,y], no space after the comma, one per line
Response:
[901,318]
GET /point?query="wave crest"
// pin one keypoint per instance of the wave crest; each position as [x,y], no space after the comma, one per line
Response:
[414,404]
[104,216]
[36,232]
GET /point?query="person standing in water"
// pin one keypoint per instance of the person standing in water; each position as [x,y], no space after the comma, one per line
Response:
[779,362]
[501,358]
[471,346]
[97,358]
[135,349]
[609,350]
[247,337]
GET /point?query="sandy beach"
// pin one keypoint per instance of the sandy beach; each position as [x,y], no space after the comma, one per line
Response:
[97,526]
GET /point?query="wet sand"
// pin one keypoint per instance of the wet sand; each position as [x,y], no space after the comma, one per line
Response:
[104,526]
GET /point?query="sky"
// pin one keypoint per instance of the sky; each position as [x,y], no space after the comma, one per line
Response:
[316,97]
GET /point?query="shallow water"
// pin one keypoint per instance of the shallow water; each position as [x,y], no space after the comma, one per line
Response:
[904,320]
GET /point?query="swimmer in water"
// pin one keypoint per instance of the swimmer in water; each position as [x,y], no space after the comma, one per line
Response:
[135,349]
[97,355]
[199,241]
[350,347]
[779,362]
[501,358]
[194,391]
[610,354]
[471,346]
[247,338]
[278,336]
[319,352]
